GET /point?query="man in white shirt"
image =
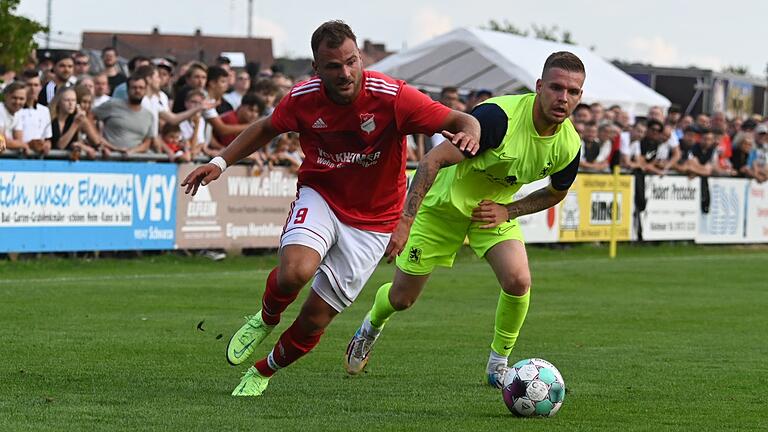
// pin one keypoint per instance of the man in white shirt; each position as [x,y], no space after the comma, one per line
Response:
[242,84]
[100,89]
[35,117]
[15,96]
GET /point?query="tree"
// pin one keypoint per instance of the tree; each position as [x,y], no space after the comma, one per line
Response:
[16,38]
[736,69]
[539,32]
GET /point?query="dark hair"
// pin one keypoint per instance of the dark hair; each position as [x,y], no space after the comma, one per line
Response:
[674,109]
[334,33]
[30,73]
[252,99]
[169,128]
[704,131]
[447,90]
[145,71]
[109,48]
[563,60]
[266,86]
[135,77]
[132,62]
[14,86]
[58,57]
[215,72]
[656,123]
[223,60]
[582,106]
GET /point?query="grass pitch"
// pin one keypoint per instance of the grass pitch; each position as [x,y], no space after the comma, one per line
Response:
[662,338]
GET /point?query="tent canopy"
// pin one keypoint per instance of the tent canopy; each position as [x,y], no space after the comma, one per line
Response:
[505,63]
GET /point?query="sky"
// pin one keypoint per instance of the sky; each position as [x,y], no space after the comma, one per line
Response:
[660,32]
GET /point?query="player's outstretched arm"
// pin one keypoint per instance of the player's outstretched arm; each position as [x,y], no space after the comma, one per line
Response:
[446,154]
[257,135]
[463,131]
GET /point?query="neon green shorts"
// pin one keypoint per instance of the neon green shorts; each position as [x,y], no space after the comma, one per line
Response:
[436,236]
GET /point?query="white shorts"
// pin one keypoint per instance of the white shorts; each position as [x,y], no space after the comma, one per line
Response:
[348,256]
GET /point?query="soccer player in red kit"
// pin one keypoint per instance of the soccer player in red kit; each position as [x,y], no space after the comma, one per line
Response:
[351,187]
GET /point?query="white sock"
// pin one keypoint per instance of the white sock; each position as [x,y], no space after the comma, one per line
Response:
[494,360]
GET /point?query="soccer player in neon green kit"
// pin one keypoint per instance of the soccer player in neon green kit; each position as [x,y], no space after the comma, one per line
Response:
[524,138]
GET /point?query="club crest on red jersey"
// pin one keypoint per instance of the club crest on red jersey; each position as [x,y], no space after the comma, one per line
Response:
[367,123]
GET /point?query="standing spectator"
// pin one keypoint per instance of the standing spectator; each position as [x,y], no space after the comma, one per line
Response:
[268,91]
[215,87]
[449,96]
[597,112]
[225,63]
[14,98]
[703,121]
[759,162]
[669,152]
[595,147]
[165,71]
[193,129]
[477,97]
[63,67]
[629,143]
[674,115]
[68,120]
[121,91]
[644,155]
[35,118]
[193,78]
[82,63]
[111,69]
[251,108]
[743,155]
[686,143]
[128,127]
[703,156]
[287,152]
[100,89]
[582,114]
[242,84]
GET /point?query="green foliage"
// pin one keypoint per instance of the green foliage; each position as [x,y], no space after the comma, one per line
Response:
[662,338]
[736,69]
[16,36]
[552,33]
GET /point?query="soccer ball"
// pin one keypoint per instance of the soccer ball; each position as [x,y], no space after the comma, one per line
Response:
[533,388]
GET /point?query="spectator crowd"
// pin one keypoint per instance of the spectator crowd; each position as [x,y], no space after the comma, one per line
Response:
[193,111]
[185,112]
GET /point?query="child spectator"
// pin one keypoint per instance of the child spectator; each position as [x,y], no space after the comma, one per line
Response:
[174,146]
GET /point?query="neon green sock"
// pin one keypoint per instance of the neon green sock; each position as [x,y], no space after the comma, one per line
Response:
[382,309]
[510,315]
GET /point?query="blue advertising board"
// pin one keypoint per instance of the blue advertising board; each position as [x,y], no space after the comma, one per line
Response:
[48,206]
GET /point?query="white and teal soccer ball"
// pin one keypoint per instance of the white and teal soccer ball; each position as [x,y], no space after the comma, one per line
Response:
[533,388]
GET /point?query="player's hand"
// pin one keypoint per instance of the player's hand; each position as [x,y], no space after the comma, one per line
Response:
[398,239]
[201,175]
[462,141]
[490,212]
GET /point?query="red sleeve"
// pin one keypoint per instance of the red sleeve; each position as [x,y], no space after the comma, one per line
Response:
[416,112]
[283,117]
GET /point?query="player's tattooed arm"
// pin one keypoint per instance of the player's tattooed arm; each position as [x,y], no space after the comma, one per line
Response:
[537,201]
[444,155]
[494,214]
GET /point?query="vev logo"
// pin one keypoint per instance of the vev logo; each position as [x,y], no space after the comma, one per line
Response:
[601,207]
[154,196]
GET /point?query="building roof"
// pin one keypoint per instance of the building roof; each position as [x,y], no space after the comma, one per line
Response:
[183,48]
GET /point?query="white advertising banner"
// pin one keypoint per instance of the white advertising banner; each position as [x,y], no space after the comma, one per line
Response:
[672,209]
[541,227]
[757,212]
[725,221]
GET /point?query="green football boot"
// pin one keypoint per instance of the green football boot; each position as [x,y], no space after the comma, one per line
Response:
[244,341]
[252,384]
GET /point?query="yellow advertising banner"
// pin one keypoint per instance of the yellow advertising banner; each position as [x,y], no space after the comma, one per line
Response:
[585,214]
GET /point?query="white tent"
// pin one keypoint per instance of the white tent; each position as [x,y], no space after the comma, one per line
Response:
[505,63]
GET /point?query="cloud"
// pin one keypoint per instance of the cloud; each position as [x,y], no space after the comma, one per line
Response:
[657,51]
[266,28]
[427,23]
[654,50]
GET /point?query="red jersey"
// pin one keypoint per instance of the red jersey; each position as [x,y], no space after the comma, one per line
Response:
[356,153]
[230,118]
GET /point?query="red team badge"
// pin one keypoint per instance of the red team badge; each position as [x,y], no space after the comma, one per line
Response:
[366,123]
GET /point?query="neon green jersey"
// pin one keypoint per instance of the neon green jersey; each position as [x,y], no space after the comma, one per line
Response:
[497,173]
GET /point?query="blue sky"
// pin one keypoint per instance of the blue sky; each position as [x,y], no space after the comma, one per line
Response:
[664,33]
